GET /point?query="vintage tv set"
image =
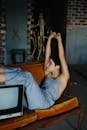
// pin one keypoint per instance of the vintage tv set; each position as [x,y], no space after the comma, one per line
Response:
[11,101]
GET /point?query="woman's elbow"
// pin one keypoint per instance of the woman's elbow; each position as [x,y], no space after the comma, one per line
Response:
[67,76]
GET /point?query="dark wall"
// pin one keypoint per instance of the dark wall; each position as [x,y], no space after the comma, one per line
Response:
[16,26]
[54,13]
[76,32]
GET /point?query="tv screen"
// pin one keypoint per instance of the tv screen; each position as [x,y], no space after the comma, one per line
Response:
[11,101]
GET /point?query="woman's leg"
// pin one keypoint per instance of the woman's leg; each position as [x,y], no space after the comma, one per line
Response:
[35,97]
[1,70]
[14,75]
[8,70]
[2,78]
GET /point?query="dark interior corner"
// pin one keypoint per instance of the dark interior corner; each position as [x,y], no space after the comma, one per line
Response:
[54,14]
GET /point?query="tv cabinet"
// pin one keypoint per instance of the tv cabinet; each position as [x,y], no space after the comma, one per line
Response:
[16,122]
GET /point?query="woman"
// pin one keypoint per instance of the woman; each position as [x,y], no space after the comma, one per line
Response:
[55,80]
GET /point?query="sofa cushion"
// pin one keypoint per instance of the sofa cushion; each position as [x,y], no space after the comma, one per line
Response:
[63,105]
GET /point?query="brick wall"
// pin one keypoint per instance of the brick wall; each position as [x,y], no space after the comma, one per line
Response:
[2,31]
[30,23]
[76,31]
[76,13]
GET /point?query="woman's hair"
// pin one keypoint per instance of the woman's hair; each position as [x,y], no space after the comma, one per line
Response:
[55,51]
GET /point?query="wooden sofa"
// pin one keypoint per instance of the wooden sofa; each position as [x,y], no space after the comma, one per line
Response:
[66,106]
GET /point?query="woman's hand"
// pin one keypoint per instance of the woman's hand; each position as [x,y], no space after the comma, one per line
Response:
[58,37]
[52,35]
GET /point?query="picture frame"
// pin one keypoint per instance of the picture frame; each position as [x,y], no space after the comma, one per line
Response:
[17,56]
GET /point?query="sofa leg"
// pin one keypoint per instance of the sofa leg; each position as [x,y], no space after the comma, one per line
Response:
[80,118]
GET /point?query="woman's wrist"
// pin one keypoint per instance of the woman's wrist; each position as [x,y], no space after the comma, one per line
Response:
[49,39]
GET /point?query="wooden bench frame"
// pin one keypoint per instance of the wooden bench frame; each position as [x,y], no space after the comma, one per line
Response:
[43,123]
[23,122]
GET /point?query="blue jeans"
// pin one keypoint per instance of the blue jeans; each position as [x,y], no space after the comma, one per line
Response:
[38,97]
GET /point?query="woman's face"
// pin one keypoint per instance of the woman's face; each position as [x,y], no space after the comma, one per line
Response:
[54,70]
